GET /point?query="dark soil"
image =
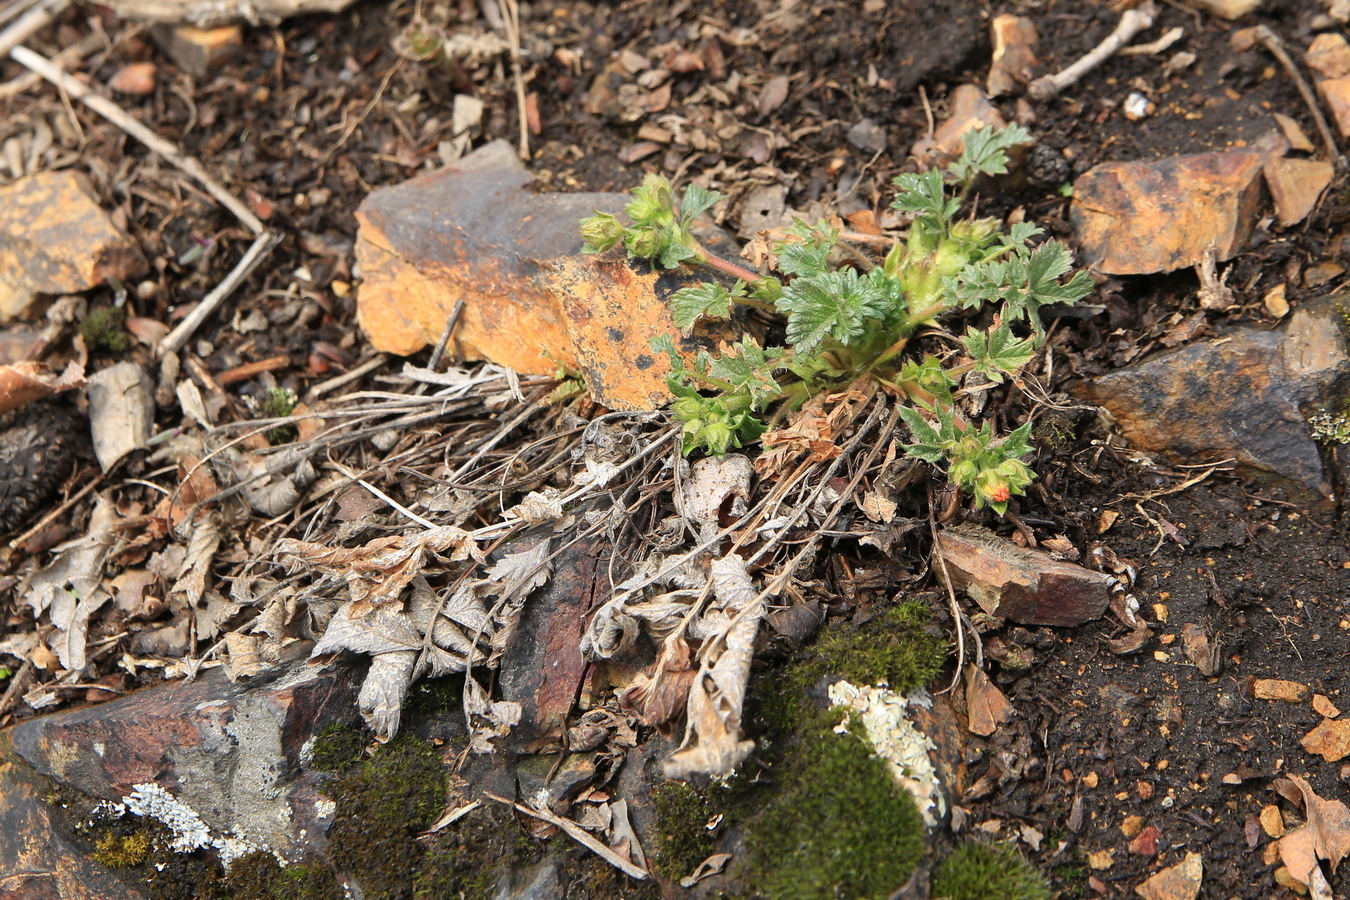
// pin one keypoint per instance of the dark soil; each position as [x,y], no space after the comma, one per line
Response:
[315,113]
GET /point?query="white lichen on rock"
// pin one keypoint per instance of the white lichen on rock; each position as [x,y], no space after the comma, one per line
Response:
[894,738]
[189,831]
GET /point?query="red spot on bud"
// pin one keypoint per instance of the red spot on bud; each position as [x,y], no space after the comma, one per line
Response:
[999,493]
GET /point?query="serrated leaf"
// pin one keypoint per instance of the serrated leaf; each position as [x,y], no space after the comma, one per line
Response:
[984,152]
[1018,442]
[927,444]
[751,370]
[925,195]
[998,352]
[809,254]
[833,305]
[707,300]
[696,201]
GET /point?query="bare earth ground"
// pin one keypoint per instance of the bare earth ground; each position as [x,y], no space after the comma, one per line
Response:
[317,112]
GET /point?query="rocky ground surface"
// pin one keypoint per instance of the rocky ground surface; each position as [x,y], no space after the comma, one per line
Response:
[239,517]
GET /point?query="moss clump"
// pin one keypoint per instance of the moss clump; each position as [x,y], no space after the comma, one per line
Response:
[895,647]
[980,871]
[258,876]
[278,403]
[122,851]
[468,858]
[104,329]
[382,804]
[840,826]
[337,748]
[682,839]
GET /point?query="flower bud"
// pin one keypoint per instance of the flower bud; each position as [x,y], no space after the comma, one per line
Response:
[601,232]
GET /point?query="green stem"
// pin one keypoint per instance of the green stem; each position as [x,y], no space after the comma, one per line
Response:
[713,261]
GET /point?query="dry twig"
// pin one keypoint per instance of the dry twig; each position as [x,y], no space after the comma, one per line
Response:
[1132,22]
[580,835]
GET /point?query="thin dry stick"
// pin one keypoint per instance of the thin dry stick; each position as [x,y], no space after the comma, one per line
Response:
[1131,23]
[1271,41]
[38,63]
[256,253]
[511,9]
[30,23]
[579,834]
[76,52]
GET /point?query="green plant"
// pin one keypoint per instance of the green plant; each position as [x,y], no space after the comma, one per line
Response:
[278,403]
[104,328]
[980,871]
[844,324]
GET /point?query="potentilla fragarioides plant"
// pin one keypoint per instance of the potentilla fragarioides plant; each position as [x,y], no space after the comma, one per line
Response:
[844,323]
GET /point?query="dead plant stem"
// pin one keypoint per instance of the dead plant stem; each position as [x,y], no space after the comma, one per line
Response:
[1131,23]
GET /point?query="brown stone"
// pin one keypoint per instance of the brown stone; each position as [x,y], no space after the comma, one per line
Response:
[1295,186]
[56,239]
[1329,56]
[532,300]
[199,51]
[1240,397]
[1137,218]
[543,667]
[234,752]
[1018,584]
[38,859]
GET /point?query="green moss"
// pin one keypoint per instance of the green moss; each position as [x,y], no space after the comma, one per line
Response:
[980,871]
[840,825]
[337,748]
[468,858]
[278,403]
[258,876]
[895,647]
[682,836]
[382,804]
[122,851]
[104,329]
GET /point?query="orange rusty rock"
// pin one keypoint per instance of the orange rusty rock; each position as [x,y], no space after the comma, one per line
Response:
[1295,185]
[1138,218]
[56,239]
[532,300]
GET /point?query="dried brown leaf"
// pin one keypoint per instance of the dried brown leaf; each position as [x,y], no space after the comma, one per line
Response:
[24,382]
[377,572]
[986,707]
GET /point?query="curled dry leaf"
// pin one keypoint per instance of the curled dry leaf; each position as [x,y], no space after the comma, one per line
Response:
[377,572]
[714,492]
[70,590]
[25,382]
[713,742]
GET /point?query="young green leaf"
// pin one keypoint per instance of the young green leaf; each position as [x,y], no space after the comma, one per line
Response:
[708,300]
[832,305]
[984,152]
[751,371]
[809,253]
[928,443]
[924,195]
[998,352]
[696,201]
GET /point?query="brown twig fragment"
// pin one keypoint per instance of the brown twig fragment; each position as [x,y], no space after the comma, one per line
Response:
[1132,22]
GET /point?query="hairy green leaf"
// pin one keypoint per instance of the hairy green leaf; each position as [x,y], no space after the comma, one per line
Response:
[924,195]
[833,305]
[808,254]
[998,352]
[751,370]
[984,152]
[696,201]
[707,300]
